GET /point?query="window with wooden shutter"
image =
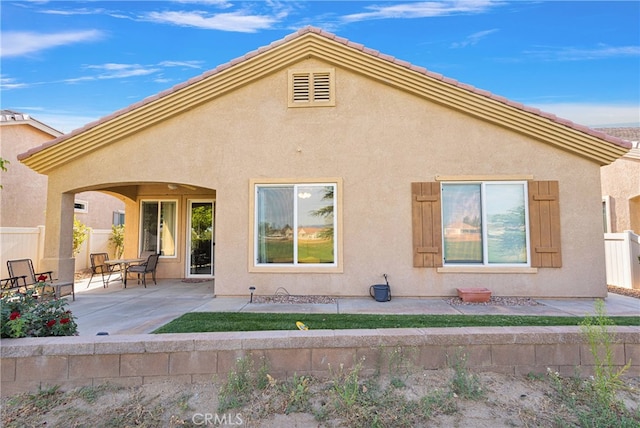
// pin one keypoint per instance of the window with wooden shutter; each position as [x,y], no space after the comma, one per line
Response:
[427,224]
[311,88]
[543,208]
[544,224]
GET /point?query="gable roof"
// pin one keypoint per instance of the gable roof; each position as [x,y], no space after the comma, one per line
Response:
[312,42]
[10,117]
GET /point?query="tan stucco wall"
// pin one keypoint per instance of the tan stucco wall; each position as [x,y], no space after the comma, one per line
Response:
[24,192]
[378,140]
[621,183]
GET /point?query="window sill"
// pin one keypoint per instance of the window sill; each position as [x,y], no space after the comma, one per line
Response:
[296,269]
[486,269]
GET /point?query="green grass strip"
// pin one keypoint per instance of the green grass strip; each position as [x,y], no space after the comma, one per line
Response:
[200,322]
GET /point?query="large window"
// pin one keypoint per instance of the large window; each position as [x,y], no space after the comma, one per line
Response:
[485,223]
[158,229]
[295,224]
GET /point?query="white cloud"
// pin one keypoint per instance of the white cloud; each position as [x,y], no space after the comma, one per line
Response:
[17,43]
[425,9]
[188,64]
[595,115]
[65,122]
[71,12]
[233,21]
[114,71]
[7,83]
[581,54]
[474,38]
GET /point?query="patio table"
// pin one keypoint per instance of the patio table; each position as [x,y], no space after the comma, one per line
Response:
[124,265]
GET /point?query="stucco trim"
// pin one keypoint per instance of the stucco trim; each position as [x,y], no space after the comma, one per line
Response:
[487,269]
[493,177]
[314,43]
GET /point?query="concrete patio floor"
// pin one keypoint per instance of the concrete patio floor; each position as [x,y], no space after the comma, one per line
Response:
[139,310]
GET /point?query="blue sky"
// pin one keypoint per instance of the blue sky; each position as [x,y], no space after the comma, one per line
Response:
[68,63]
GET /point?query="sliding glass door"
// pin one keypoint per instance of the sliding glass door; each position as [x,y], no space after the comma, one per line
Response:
[200,239]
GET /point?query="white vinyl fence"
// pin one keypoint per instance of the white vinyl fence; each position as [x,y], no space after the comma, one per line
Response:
[28,243]
[621,253]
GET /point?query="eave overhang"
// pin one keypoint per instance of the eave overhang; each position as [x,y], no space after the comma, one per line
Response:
[313,43]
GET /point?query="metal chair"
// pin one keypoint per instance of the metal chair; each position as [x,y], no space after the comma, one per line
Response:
[15,283]
[100,267]
[24,267]
[144,268]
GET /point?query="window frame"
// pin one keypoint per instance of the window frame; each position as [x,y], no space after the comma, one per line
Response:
[119,214]
[606,214]
[80,206]
[485,264]
[175,231]
[335,267]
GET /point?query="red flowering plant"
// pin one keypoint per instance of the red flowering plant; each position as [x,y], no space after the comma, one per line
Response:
[26,315]
[44,290]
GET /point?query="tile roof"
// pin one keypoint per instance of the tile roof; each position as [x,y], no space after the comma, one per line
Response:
[629,133]
[483,93]
[10,117]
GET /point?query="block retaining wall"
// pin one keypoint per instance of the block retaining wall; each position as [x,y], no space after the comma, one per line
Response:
[69,362]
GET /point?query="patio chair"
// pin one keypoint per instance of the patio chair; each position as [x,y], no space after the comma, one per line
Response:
[14,283]
[100,267]
[24,267]
[144,268]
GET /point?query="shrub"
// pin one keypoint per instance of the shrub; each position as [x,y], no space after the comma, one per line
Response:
[117,240]
[80,233]
[30,315]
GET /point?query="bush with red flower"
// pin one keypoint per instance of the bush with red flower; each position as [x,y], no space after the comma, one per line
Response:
[29,315]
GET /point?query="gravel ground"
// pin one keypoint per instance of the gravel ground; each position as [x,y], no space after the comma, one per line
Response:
[625,291]
[494,301]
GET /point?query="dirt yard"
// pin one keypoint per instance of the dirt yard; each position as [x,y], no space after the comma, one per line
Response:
[506,401]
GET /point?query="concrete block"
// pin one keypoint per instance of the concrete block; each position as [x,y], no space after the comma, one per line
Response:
[144,364]
[217,341]
[289,361]
[43,368]
[323,358]
[196,362]
[505,355]
[92,366]
[474,356]
[558,354]
[617,355]
[13,388]
[632,353]
[8,369]
[433,357]
[228,360]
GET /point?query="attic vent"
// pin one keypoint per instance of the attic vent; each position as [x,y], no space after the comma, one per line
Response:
[312,88]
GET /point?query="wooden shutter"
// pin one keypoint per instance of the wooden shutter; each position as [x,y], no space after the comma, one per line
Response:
[427,224]
[544,224]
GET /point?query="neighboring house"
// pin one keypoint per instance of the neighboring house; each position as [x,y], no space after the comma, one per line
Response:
[621,185]
[316,130]
[24,192]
